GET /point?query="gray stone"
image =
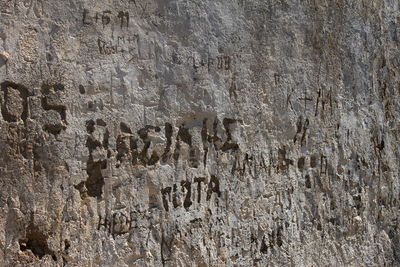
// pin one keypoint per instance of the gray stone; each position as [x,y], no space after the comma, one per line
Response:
[199,133]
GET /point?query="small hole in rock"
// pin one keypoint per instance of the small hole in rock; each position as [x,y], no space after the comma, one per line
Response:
[82,89]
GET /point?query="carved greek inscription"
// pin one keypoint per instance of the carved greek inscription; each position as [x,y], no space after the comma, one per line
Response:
[106,48]
[301,163]
[283,161]
[217,140]
[168,135]
[306,98]
[243,166]
[323,165]
[175,200]
[137,146]
[299,127]
[251,164]
[143,156]
[93,186]
[51,102]
[233,89]
[142,149]
[186,186]
[122,149]
[313,161]
[184,196]
[184,136]
[213,187]
[212,63]
[116,224]
[205,140]
[269,241]
[124,18]
[118,45]
[199,180]
[303,136]
[308,181]
[15,102]
[301,130]
[105,18]
[258,165]
[324,102]
[229,145]
[166,196]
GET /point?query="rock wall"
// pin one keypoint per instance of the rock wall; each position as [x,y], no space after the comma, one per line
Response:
[199,133]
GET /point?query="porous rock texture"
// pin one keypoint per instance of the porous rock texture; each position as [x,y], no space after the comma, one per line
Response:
[199,133]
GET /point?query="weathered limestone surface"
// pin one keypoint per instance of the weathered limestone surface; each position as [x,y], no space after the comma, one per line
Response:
[199,133]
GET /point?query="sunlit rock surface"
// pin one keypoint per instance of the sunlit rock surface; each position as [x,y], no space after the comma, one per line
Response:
[199,133]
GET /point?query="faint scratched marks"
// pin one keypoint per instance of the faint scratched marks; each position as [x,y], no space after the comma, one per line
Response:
[119,44]
[223,62]
[324,106]
[301,132]
[106,18]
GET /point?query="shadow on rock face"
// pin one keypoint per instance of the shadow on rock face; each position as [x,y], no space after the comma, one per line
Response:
[37,243]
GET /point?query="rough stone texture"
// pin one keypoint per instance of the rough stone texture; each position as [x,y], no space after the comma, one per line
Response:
[199,133]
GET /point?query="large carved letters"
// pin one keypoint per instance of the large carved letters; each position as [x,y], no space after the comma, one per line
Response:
[213,187]
[93,186]
[15,105]
[55,116]
[116,224]
[171,194]
[143,148]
